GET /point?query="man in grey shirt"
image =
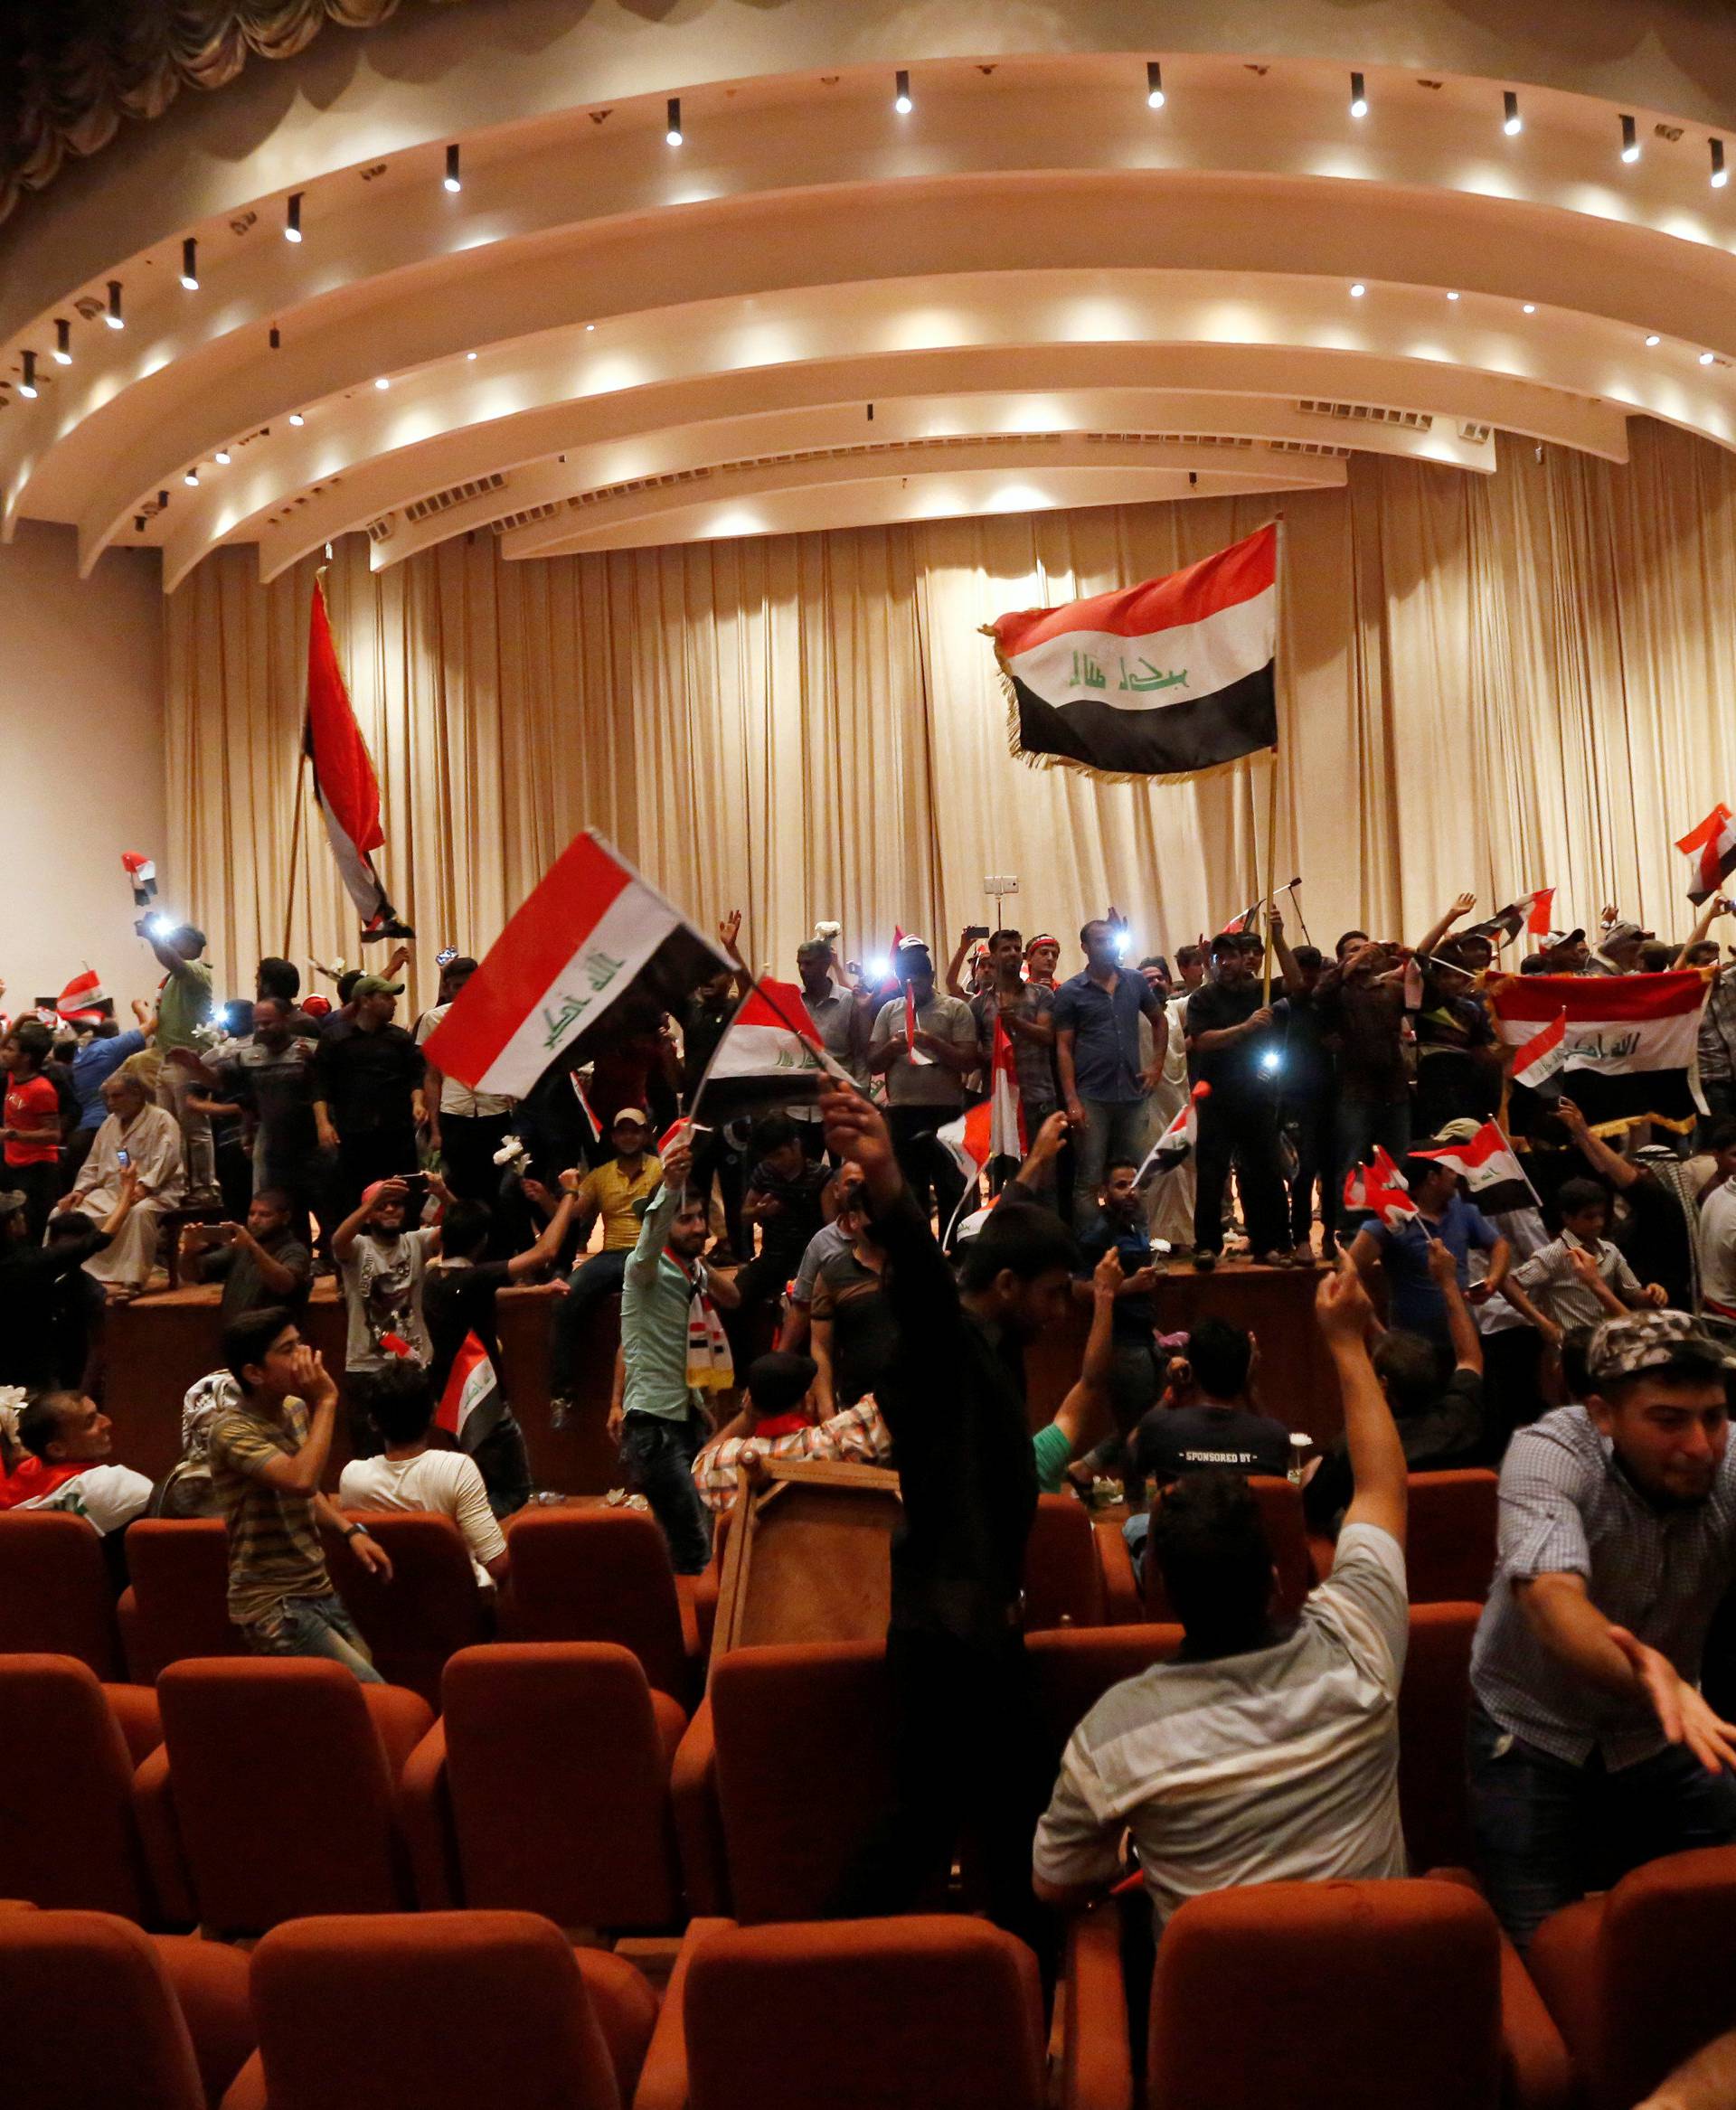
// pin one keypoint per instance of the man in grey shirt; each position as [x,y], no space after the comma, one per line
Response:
[925,1046]
[1590,1748]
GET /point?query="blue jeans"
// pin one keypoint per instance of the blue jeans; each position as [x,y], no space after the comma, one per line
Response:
[1114,1129]
[1548,1832]
[600,1276]
[314,1626]
[1358,1127]
[657,1455]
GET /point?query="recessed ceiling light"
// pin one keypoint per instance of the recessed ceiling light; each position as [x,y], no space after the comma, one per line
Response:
[590,326]
[191,479]
[221,456]
[1653,339]
[1706,358]
[296,417]
[1357,290]
[469,355]
[382,382]
[1530,307]
[1452,296]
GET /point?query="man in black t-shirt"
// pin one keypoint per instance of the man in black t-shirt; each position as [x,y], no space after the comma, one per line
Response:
[458,1293]
[1233,1046]
[1219,1426]
[368,1093]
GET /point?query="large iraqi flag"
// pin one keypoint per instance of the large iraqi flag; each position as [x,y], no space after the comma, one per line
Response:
[594,941]
[1629,1043]
[1158,680]
[345,786]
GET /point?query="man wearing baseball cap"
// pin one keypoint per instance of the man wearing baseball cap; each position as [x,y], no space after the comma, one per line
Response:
[1590,1748]
[368,1092]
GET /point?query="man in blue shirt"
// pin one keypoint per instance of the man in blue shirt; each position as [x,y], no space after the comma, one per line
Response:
[97,1061]
[1414,1301]
[1103,1081]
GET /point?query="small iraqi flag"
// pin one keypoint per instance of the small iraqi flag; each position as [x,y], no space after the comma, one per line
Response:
[770,1055]
[471,1404]
[1712,847]
[593,933]
[141,876]
[82,1003]
[1380,1190]
[1530,913]
[1489,1168]
[1159,680]
[1177,1143]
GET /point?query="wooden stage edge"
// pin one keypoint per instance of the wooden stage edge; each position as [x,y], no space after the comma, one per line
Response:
[158,1346]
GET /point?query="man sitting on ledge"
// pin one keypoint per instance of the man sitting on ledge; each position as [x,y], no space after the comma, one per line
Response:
[777,1421]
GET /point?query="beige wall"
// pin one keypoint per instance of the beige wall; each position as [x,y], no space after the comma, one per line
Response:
[81,774]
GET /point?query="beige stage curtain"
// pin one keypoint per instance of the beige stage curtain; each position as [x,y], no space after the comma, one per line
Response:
[1493,682]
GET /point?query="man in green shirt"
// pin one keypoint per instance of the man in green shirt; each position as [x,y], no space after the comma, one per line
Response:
[267,1454]
[183,1006]
[662,1420]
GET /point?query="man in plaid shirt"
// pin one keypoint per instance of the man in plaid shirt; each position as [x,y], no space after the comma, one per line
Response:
[1591,1748]
[777,1422]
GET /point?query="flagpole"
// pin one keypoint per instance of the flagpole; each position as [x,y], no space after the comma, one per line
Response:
[294,852]
[1271,789]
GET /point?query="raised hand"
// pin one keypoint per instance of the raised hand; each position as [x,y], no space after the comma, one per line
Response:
[1106,1276]
[1341,1305]
[1462,906]
[730,933]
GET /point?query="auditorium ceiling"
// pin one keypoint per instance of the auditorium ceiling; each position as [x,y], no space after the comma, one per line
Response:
[997,281]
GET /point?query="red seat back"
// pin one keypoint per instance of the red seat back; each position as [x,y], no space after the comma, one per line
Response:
[1368,1996]
[804,1769]
[282,1790]
[1662,1991]
[1073,1669]
[585,1832]
[180,1571]
[88,2015]
[938,2010]
[1063,1577]
[596,1575]
[1434,1708]
[67,1834]
[432,1607]
[55,1595]
[1450,1537]
[445,2010]
[1280,1510]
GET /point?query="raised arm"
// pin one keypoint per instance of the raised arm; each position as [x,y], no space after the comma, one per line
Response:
[1467,1344]
[1432,936]
[547,1248]
[347,1232]
[300,1472]
[954,984]
[1377,1461]
[1608,1163]
[1086,1406]
[918,1284]
[1716,906]
[1044,1151]
[1294,984]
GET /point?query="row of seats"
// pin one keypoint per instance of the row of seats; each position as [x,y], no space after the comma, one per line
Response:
[556,1779]
[598,1574]
[1399,1995]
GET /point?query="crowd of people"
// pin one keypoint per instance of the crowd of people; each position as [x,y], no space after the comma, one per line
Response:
[822,1280]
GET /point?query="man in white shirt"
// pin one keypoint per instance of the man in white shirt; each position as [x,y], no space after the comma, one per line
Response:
[1270,1750]
[465,1128]
[146,1139]
[68,1441]
[382,1266]
[412,1476]
[1717,1239]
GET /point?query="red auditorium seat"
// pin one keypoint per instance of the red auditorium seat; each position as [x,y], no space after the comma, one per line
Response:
[55,1595]
[448,2010]
[699,1822]
[68,1835]
[180,1578]
[1434,1705]
[585,1833]
[1450,1537]
[1122,1604]
[803,1769]
[1281,1509]
[934,2011]
[300,1741]
[1636,1978]
[1063,1576]
[93,2011]
[601,1575]
[430,1609]
[1329,1996]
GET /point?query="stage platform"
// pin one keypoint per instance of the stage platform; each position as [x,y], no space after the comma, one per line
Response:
[158,1346]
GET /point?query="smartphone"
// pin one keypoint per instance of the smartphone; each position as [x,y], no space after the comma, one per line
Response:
[972,931]
[123,1158]
[416,1184]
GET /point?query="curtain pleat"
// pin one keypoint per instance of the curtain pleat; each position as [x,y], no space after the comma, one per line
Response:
[1494,682]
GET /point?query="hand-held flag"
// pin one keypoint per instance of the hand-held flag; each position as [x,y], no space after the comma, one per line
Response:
[1177,1143]
[1381,1189]
[1490,1168]
[345,784]
[1713,846]
[82,1003]
[1537,1060]
[1167,678]
[471,1404]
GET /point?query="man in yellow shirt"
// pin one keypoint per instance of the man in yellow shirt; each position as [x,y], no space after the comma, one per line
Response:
[618,1192]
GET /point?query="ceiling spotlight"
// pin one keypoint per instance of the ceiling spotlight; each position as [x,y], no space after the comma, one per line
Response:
[1513,122]
[1706,358]
[1530,307]
[673,134]
[191,479]
[63,340]
[276,338]
[901,101]
[1720,174]
[452,182]
[138,524]
[590,326]
[1653,340]
[296,417]
[382,382]
[1153,85]
[469,356]
[222,456]
[114,318]
[1452,296]
[190,262]
[1358,96]
[162,501]
[1357,290]
[1629,140]
[292,218]
[27,387]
